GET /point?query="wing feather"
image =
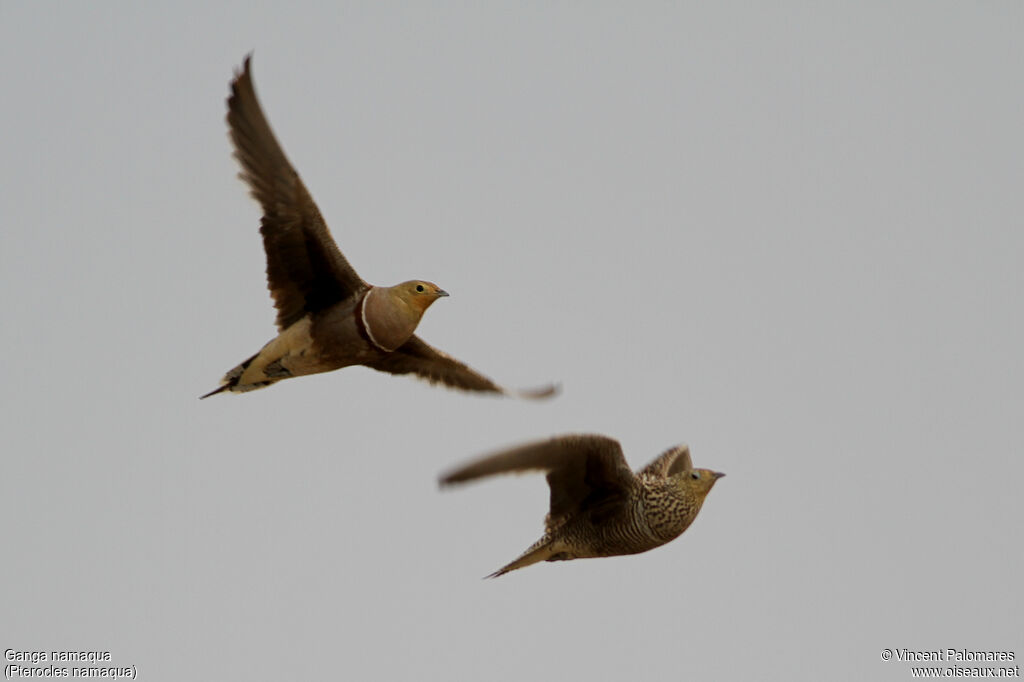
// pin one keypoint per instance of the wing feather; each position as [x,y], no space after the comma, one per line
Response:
[417,357]
[586,473]
[673,461]
[306,272]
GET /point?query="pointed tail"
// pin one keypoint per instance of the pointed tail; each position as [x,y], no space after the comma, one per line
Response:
[219,389]
[230,379]
[540,551]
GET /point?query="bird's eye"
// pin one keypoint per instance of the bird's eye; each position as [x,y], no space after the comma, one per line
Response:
[419,288]
[695,475]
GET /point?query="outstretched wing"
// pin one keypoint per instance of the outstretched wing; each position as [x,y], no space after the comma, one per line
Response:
[306,272]
[673,461]
[417,357]
[586,473]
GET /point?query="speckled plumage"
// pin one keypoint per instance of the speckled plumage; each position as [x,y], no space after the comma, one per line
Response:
[328,317]
[599,507]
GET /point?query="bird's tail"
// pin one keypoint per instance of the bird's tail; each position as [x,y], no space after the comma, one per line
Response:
[231,379]
[542,550]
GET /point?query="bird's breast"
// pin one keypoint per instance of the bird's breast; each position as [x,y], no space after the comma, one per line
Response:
[666,512]
[386,322]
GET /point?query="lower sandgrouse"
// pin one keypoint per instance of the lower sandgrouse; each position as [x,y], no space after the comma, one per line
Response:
[599,507]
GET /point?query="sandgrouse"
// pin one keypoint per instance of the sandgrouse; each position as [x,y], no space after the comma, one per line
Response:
[599,507]
[327,316]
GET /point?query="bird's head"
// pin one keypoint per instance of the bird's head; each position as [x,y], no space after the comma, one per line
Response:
[418,294]
[697,482]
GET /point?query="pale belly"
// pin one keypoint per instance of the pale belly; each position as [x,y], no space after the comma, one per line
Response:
[305,348]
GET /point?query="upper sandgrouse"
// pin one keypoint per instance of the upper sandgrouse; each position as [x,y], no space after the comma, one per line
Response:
[327,316]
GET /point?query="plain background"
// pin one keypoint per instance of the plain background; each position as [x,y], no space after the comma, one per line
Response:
[789,235]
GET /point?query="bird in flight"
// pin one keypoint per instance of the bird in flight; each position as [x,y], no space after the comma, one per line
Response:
[599,506]
[327,316]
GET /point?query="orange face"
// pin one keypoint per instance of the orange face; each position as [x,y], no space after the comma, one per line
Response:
[420,294]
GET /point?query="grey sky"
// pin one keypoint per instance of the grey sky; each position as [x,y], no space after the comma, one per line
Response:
[789,236]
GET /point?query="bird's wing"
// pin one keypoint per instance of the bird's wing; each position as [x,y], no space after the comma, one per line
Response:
[417,357]
[306,272]
[673,461]
[586,473]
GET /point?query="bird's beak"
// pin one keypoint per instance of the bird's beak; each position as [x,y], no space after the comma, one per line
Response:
[718,475]
[441,293]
